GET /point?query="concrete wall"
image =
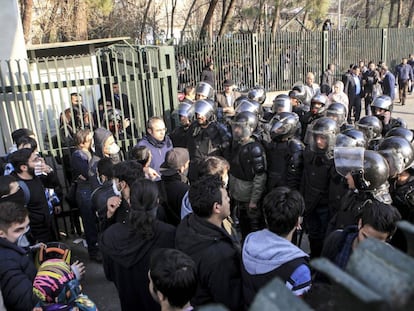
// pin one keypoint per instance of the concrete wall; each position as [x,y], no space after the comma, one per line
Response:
[12,46]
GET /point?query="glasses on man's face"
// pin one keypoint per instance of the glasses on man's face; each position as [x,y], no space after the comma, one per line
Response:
[160,130]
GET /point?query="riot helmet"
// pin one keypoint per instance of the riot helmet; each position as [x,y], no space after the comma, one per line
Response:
[243,125]
[114,120]
[257,94]
[204,90]
[382,102]
[398,152]
[323,135]
[401,132]
[114,115]
[245,104]
[371,126]
[186,110]
[281,103]
[298,92]
[368,168]
[185,113]
[284,126]
[351,138]
[318,104]
[204,109]
[337,112]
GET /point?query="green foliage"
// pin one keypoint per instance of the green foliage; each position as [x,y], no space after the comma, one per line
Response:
[104,6]
[317,10]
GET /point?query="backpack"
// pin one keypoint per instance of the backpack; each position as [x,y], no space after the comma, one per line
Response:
[26,192]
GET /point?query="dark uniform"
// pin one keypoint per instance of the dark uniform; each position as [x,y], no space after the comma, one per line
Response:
[247,183]
[214,140]
[317,180]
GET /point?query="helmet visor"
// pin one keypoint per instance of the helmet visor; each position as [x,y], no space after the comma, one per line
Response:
[348,159]
[240,130]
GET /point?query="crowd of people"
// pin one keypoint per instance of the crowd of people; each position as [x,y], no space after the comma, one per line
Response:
[213,211]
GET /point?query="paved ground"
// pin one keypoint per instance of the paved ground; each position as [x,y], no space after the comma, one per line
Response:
[104,293]
[405,112]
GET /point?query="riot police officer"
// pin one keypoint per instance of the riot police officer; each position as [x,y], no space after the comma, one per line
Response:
[339,113]
[371,126]
[257,94]
[205,136]
[247,173]
[317,179]
[204,90]
[381,108]
[179,135]
[284,153]
[401,132]
[281,103]
[317,110]
[351,138]
[244,104]
[367,173]
[398,152]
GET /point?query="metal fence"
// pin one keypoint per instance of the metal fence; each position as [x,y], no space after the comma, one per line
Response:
[278,61]
[34,93]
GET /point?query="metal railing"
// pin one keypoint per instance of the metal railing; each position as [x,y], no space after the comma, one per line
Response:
[278,61]
[34,93]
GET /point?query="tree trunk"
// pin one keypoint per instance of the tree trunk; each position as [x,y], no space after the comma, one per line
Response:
[80,20]
[410,16]
[207,19]
[257,22]
[27,18]
[390,24]
[174,6]
[276,16]
[381,14]
[227,17]
[400,5]
[50,24]
[190,11]
[144,21]
[367,9]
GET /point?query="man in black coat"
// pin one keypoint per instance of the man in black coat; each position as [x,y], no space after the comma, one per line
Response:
[201,235]
[173,184]
[207,75]
[31,169]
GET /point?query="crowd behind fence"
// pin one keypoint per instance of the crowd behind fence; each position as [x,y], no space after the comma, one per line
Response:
[278,61]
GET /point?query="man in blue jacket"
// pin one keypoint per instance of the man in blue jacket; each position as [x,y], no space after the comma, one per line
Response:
[387,82]
[269,253]
[157,142]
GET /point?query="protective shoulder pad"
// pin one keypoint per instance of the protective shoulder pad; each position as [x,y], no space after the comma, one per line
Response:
[296,145]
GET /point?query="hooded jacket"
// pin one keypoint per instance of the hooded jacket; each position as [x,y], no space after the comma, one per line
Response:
[173,190]
[100,136]
[17,273]
[126,262]
[217,258]
[266,255]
